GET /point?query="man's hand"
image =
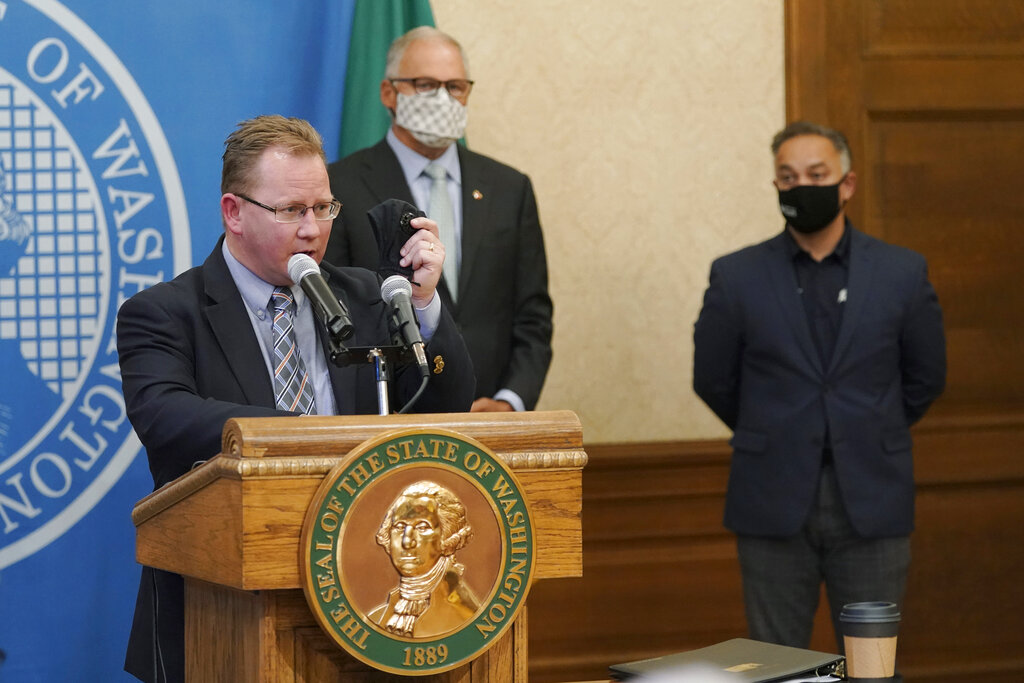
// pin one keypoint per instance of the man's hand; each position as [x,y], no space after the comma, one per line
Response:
[425,254]
[489,405]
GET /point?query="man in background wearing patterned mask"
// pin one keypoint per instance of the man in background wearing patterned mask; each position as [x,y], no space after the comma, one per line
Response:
[496,285]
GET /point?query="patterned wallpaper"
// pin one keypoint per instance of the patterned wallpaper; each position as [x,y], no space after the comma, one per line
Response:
[645,127]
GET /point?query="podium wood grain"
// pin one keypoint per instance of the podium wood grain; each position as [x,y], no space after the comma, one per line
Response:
[271,637]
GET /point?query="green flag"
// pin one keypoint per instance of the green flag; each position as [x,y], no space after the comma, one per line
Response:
[376,23]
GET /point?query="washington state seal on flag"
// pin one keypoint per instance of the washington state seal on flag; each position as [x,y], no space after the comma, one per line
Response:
[91,211]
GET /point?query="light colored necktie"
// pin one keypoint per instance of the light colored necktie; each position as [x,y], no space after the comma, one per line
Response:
[441,212]
[293,389]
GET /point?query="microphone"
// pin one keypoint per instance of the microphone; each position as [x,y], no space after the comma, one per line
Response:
[306,273]
[397,293]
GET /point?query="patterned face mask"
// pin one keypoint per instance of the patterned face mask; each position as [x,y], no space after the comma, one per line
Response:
[436,120]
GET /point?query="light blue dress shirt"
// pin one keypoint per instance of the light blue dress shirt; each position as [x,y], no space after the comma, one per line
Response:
[413,165]
[256,295]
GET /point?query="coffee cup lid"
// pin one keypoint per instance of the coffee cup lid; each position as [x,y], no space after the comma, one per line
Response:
[870,612]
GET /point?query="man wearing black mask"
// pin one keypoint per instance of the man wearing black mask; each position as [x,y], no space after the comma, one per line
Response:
[819,348]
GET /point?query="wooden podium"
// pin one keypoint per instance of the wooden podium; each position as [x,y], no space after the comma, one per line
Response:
[232,528]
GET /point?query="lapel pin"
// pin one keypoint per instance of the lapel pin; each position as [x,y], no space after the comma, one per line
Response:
[477,194]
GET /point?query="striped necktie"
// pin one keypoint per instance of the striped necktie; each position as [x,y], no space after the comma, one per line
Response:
[441,212]
[293,390]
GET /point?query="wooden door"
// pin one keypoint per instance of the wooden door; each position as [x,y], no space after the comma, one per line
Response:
[931,96]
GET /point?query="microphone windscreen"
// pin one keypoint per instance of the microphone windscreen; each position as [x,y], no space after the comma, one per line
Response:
[301,265]
[394,285]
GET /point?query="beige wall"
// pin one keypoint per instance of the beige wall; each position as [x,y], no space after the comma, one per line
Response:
[645,129]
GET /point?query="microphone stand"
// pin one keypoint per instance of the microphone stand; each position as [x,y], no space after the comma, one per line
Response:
[382,357]
[382,373]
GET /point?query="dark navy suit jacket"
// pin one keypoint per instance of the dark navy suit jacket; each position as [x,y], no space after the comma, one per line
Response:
[190,360]
[503,309]
[757,367]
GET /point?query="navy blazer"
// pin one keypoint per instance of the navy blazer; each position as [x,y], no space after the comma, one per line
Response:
[190,360]
[757,367]
[503,310]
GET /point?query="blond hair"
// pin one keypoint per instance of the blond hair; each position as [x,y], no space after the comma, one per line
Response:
[246,144]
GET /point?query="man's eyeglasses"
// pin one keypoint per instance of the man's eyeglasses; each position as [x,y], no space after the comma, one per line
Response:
[457,87]
[293,213]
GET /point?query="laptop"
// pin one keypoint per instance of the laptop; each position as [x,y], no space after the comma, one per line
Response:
[740,660]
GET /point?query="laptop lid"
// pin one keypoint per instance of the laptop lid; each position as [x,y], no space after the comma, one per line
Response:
[738,660]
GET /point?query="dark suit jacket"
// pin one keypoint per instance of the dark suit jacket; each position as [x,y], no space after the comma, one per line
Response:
[190,360]
[757,368]
[503,310]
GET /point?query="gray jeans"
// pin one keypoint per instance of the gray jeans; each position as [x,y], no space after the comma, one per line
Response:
[782,576]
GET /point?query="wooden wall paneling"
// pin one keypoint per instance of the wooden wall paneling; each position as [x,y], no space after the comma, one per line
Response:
[968,549]
[806,73]
[968,228]
[660,573]
[944,28]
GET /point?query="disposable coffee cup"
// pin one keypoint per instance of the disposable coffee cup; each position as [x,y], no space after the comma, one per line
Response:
[869,635]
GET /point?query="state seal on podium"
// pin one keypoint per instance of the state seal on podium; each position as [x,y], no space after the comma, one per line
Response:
[417,551]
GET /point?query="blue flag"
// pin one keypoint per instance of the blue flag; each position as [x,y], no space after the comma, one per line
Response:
[112,121]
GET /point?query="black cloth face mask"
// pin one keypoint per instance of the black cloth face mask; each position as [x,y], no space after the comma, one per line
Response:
[809,208]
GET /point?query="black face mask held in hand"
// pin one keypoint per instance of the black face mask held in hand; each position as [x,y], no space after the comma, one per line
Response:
[391,228]
[809,208]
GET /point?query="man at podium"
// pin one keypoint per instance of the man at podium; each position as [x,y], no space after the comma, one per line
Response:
[236,337]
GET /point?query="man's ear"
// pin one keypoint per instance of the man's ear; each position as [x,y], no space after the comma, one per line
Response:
[230,212]
[388,95]
[847,187]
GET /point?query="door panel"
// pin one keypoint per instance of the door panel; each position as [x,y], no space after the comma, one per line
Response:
[931,96]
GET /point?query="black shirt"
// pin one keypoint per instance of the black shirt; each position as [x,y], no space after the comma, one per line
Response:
[822,288]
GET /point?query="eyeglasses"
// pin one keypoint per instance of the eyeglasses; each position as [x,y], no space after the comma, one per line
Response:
[293,213]
[457,87]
